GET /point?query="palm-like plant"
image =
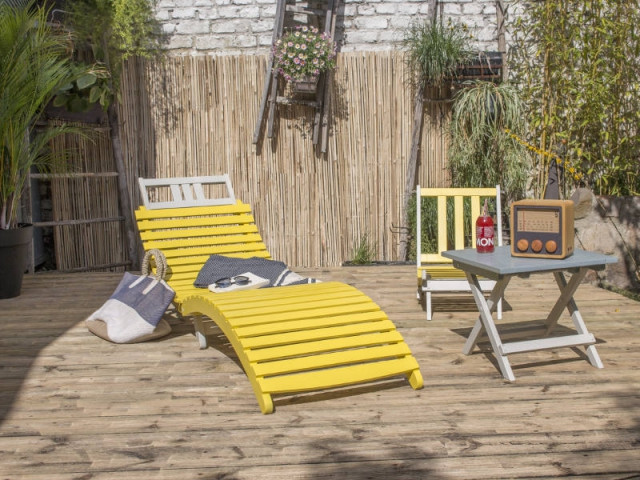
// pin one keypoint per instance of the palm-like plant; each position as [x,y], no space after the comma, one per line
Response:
[34,64]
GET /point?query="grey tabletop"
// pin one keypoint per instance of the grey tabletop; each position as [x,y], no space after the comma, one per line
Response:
[500,263]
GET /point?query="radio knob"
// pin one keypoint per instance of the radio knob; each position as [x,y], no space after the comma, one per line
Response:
[522,244]
[536,246]
[551,246]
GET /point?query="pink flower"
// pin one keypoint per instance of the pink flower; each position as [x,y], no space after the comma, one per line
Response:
[303,51]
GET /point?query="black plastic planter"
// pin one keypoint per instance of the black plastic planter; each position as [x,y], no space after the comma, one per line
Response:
[14,255]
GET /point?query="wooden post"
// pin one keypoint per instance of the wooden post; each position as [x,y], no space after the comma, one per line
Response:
[125,201]
[414,165]
[123,189]
[329,26]
[502,43]
[412,168]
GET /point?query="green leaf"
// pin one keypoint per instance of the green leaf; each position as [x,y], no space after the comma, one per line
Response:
[86,80]
[98,52]
[104,99]
[66,87]
[60,100]
[95,94]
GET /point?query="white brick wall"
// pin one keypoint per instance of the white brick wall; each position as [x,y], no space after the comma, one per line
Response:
[222,27]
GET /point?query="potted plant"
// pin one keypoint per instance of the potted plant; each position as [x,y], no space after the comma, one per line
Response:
[302,55]
[34,64]
[482,153]
[435,52]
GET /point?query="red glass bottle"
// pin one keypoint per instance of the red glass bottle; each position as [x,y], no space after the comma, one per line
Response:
[484,232]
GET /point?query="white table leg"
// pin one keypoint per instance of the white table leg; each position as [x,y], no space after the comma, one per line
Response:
[470,344]
[486,321]
[494,300]
[566,295]
[576,317]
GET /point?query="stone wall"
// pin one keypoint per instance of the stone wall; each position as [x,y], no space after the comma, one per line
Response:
[611,225]
[231,27]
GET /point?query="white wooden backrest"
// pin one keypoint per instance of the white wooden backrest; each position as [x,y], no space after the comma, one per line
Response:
[458,195]
[186,191]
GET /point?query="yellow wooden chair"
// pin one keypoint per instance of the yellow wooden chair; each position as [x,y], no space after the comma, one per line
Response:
[435,272]
[289,339]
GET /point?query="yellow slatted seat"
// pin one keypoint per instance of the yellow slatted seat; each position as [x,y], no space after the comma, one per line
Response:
[289,339]
[435,272]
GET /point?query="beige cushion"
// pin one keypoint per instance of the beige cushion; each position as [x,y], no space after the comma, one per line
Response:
[99,328]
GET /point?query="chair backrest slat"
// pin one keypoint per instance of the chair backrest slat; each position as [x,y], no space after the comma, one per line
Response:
[185,191]
[466,208]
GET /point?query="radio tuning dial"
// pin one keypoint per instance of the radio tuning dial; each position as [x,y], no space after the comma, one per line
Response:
[536,246]
[551,246]
[523,244]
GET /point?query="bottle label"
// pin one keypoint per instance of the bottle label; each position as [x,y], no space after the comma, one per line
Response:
[484,238]
[485,242]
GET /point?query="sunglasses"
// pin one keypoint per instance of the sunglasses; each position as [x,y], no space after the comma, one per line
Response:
[228,281]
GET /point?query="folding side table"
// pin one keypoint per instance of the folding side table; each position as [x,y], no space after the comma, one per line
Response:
[502,267]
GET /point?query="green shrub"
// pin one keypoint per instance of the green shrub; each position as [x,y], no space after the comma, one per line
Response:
[576,64]
[364,251]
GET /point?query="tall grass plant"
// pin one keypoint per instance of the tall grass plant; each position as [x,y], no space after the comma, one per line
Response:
[481,151]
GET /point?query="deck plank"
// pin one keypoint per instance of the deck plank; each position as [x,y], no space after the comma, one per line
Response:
[74,406]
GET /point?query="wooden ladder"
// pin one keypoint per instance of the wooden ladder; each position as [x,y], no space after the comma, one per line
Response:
[318,12]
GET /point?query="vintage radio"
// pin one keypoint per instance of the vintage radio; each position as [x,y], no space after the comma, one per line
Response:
[542,228]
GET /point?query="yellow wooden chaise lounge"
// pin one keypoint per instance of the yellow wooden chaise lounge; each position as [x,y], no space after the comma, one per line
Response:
[289,339]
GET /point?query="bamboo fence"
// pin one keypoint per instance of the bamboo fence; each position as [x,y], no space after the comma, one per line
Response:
[87,231]
[192,116]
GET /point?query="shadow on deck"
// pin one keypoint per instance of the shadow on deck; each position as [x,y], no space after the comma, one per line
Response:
[75,406]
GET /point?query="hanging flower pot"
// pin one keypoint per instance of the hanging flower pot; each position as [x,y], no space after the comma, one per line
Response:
[305,85]
[302,55]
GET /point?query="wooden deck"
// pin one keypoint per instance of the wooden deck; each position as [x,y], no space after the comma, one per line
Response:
[73,406]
